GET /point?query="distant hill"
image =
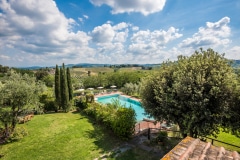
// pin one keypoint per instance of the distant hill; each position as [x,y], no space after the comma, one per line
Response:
[89,65]
[236,63]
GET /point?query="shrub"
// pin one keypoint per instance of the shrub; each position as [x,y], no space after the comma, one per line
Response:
[124,122]
[80,103]
[90,98]
[162,136]
[50,105]
[18,133]
[120,119]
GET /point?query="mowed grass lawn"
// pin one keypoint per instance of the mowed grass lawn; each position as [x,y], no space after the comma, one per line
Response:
[60,136]
[228,138]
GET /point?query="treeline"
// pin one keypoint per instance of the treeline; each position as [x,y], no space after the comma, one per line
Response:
[113,78]
[117,66]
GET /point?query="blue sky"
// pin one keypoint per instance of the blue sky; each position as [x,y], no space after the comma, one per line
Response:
[47,32]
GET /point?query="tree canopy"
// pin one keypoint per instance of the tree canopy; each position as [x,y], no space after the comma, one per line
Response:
[195,92]
[18,94]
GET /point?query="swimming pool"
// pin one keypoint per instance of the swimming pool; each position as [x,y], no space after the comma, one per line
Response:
[136,105]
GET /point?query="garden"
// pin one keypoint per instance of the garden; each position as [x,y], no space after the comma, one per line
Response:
[192,93]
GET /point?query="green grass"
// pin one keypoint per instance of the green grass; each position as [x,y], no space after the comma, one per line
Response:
[65,136]
[228,138]
[60,136]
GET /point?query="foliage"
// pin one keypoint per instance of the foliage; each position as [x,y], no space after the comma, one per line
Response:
[48,80]
[4,69]
[80,102]
[64,89]
[195,92]
[89,98]
[117,78]
[124,122]
[18,133]
[41,74]
[23,71]
[162,136]
[49,103]
[57,88]
[19,93]
[118,118]
[131,89]
[69,83]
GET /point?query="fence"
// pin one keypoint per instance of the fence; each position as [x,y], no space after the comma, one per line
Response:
[224,144]
[149,127]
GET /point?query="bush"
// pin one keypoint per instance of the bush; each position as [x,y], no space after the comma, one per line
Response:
[162,136]
[18,133]
[124,123]
[120,119]
[50,105]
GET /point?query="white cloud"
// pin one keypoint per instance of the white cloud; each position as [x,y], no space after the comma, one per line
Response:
[145,7]
[147,41]
[4,57]
[38,27]
[135,28]
[80,19]
[103,34]
[85,16]
[233,53]
[212,35]
[107,33]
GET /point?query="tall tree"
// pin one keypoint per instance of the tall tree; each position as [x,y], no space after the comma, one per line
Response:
[195,92]
[64,89]
[18,94]
[69,82]
[57,87]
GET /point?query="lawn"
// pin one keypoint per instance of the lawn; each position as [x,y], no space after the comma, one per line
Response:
[66,136]
[60,136]
[228,138]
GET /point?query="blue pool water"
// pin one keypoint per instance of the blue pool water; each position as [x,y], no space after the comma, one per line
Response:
[126,102]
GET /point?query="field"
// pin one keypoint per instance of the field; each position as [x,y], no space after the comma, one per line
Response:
[96,70]
[93,70]
[65,136]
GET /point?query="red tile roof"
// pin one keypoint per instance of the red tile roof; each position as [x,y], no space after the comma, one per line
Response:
[194,149]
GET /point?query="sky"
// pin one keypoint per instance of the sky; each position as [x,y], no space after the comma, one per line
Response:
[49,32]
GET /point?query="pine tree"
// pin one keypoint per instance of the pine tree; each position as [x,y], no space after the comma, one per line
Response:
[57,87]
[69,82]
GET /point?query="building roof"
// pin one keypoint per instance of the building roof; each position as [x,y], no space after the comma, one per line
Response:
[194,149]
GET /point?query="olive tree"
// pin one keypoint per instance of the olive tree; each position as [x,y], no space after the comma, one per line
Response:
[18,94]
[195,92]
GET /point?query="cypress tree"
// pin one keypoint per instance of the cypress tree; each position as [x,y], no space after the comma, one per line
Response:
[57,87]
[61,87]
[64,89]
[69,82]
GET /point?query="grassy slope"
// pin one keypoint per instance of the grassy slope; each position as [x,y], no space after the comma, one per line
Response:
[228,138]
[60,136]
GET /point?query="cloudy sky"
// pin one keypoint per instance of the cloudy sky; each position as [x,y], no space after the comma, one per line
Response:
[47,32]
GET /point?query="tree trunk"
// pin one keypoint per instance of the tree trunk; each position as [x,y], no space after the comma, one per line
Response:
[14,120]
